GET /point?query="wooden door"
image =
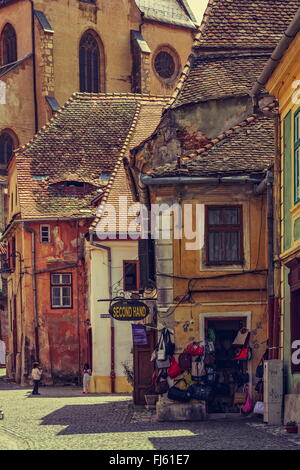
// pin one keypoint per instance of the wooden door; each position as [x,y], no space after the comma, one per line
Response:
[15,335]
[143,368]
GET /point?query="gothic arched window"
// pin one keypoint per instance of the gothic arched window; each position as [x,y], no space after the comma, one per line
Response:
[8,45]
[7,146]
[91,63]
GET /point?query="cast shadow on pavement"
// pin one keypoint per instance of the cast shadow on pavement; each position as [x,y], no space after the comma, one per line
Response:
[113,417]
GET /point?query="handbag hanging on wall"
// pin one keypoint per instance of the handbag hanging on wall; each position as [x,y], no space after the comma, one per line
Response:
[174,368]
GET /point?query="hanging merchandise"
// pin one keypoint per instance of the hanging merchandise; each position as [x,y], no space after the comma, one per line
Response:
[209,359]
[185,361]
[212,334]
[174,368]
[209,346]
[210,374]
[139,335]
[260,370]
[161,348]
[170,346]
[195,349]
[259,408]
[242,337]
[176,394]
[198,369]
[243,354]
[248,406]
[202,392]
[163,364]
[259,387]
[161,385]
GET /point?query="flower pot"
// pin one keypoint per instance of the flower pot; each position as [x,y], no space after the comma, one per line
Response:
[151,399]
[291,429]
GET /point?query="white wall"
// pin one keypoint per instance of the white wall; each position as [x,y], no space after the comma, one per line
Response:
[99,289]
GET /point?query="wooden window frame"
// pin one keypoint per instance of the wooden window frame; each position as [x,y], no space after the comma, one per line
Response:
[296,141]
[49,233]
[137,264]
[227,228]
[63,307]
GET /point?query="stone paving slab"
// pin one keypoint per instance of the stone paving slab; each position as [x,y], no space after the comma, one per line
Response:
[63,418]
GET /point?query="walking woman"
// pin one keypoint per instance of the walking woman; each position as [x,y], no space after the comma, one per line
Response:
[87,372]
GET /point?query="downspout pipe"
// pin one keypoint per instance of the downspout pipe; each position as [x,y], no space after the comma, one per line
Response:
[112,326]
[36,118]
[35,309]
[267,184]
[277,54]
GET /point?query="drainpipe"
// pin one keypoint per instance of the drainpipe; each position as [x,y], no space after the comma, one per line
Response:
[112,326]
[35,310]
[36,119]
[267,184]
[149,180]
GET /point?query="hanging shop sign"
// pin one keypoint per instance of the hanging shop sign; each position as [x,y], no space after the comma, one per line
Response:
[129,310]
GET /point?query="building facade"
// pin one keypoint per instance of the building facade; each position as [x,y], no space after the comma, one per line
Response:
[281,78]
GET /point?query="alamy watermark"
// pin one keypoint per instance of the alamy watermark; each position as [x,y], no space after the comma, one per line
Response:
[162,221]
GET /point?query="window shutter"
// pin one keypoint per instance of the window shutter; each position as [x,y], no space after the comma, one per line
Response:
[147,263]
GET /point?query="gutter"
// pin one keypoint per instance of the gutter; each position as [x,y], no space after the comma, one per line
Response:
[149,180]
[277,54]
[112,326]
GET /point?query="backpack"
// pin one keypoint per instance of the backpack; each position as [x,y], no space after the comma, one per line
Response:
[185,361]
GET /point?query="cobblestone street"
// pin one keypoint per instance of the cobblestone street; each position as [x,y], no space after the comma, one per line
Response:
[63,418]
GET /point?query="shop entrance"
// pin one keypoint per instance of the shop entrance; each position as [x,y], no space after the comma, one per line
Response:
[230,374]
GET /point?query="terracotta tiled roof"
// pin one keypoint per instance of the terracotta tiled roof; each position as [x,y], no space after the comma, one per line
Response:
[245,149]
[238,23]
[85,138]
[145,122]
[218,76]
[166,11]
[232,25]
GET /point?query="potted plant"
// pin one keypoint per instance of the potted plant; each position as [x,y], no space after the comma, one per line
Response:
[291,427]
[150,396]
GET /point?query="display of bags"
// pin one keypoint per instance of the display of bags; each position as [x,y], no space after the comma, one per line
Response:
[243,354]
[163,364]
[170,346]
[242,337]
[195,349]
[260,370]
[161,348]
[174,368]
[177,394]
[185,361]
[247,407]
[259,387]
[161,387]
[259,408]
[202,392]
[239,398]
[198,369]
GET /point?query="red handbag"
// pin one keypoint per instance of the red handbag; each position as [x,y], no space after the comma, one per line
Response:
[174,368]
[195,349]
[243,354]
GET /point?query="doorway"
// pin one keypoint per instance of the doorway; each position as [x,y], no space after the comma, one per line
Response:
[230,374]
